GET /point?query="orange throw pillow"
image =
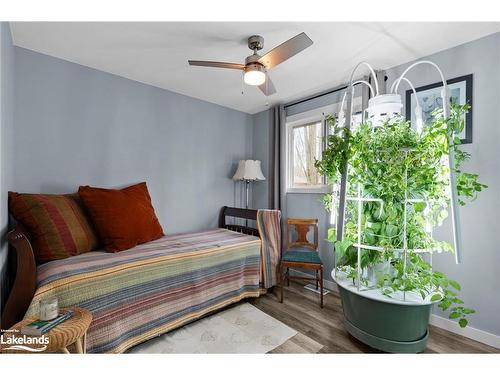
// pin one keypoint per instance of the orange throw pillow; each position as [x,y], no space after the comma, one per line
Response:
[123,218]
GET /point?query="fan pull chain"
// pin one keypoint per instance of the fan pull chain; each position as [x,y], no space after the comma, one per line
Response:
[267,88]
[243,84]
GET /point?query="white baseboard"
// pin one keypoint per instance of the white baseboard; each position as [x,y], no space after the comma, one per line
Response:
[435,320]
[469,332]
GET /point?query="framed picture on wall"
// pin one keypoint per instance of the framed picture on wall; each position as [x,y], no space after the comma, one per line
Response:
[460,91]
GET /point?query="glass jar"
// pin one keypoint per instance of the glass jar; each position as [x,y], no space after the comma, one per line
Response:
[49,308]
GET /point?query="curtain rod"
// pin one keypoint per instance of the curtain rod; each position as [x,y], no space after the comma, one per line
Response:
[319,95]
[315,96]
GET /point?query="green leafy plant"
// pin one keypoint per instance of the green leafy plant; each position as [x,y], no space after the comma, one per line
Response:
[394,163]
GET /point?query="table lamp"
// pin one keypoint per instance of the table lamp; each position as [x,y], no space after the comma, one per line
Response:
[248,170]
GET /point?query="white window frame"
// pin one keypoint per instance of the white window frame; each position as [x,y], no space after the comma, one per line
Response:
[290,126]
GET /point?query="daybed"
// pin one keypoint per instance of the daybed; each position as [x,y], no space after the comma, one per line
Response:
[148,290]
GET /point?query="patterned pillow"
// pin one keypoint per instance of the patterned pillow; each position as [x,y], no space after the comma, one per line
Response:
[57,224]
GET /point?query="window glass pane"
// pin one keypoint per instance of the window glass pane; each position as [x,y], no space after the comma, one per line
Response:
[306,145]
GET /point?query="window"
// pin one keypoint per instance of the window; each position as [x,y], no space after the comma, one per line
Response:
[305,145]
[305,142]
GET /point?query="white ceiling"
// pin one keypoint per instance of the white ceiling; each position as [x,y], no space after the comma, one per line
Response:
[157,53]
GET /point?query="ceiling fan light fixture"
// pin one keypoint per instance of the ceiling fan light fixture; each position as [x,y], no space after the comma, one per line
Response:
[256,66]
[255,74]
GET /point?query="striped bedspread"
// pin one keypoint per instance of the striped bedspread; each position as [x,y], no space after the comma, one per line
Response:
[137,294]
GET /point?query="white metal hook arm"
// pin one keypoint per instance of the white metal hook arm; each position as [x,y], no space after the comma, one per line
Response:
[374,76]
[341,110]
[418,108]
[347,123]
[457,241]
[372,92]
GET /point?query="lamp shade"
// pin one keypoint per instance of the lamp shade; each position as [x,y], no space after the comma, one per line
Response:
[249,170]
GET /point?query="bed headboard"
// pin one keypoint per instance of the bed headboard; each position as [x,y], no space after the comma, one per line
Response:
[239,213]
[24,279]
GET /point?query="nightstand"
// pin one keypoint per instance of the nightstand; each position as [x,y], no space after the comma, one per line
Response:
[71,331]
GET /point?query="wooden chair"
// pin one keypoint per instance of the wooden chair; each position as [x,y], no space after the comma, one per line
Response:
[300,253]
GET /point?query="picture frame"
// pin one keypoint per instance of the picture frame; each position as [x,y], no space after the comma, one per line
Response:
[460,89]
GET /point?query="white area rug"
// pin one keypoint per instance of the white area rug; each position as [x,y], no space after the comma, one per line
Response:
[240,329]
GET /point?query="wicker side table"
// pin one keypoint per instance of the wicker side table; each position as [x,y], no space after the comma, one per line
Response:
[72,331]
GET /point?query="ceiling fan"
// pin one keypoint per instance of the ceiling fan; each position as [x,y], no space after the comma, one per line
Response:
[256,66]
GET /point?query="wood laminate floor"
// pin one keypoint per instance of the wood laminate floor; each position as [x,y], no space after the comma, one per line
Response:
[322,330]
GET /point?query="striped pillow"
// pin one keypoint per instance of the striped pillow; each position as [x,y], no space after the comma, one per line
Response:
[57,224]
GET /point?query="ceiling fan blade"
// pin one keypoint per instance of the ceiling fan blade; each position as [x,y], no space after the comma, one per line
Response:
[268,87]
[217,64]
[286,50]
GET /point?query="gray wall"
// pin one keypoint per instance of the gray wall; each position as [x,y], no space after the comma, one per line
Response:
[6,121]
[65,125]
[479,272]
[75,125]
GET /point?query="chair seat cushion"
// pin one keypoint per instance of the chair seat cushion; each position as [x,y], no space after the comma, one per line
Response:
[299,256]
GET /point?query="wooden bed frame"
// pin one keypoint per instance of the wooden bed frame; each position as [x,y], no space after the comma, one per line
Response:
[24,280]
[239,213]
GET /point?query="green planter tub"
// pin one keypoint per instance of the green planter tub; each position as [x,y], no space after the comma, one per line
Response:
[394,325]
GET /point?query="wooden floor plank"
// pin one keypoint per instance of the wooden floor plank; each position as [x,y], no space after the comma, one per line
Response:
[300,344]
[322,330]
